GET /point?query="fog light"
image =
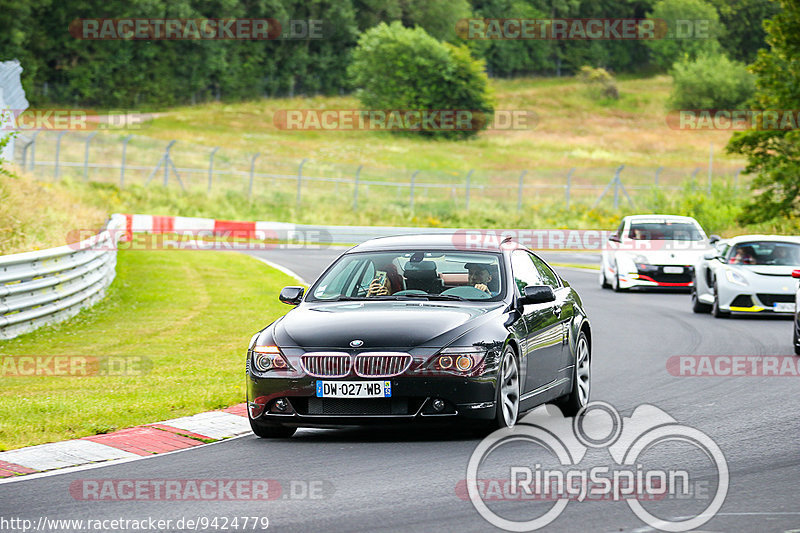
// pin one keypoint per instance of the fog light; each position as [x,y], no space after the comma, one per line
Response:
[438,405]
[281,404]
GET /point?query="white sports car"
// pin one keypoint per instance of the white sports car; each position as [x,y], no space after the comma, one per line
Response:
[655,251]
[748,274]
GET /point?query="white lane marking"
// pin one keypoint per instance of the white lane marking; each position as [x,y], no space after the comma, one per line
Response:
[214,424]
[63,454]
[289,272]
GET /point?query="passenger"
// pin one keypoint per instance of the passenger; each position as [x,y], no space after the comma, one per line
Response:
[391,283]
[745,255]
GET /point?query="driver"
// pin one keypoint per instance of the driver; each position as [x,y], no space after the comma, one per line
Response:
[479,276]
[745,255]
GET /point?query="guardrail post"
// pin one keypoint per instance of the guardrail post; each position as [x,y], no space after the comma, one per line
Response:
[413,178]
[252,173]
[520,186]
[469,177]
[355,189]
[211,168]
[300,181]
[58,154]
[33,150]
[124,156]
[86,156]
[569,185]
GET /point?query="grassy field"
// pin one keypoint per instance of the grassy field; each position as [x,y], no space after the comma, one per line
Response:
[187,314]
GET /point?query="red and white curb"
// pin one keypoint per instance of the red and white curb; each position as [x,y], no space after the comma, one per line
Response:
[141,441]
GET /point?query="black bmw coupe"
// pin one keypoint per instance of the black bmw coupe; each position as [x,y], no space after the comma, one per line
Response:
[418,328]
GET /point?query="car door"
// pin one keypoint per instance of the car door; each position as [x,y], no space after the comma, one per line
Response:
[563,310]
[542,347]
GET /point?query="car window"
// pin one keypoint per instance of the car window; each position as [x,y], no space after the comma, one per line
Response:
[620,229]
[765,253]
[525,272]
[545,272]
[665,231]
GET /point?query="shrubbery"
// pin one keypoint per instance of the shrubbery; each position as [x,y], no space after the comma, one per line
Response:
[712,81]
[394,67]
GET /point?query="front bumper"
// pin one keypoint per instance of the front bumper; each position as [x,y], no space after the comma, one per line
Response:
[759,303]
[657,278]
[411,400]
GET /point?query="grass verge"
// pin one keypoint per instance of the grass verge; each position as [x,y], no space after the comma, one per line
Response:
[188,314]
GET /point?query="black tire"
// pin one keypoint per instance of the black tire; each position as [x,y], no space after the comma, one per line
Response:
[794,338]
[615,283]
[697,305]
[271,431]
[604,284]
[578,397]
[507,393]
[715,310]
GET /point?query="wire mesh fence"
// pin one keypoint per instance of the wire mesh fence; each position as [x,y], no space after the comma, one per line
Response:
[132,159]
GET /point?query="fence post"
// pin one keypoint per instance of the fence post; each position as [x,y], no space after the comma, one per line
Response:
[658,173]
[469,177]
[252,170]
[58,153]
[710,164]
[355,189]
[124,155]
[569,184]
[737,178]
[211,167]
[300,181]
[25,154]
[617,184]
[33,150]
[694,178]
[413,178]
[86,156]
[520,186]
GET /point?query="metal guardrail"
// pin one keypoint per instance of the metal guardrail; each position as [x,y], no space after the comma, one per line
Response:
[47,286]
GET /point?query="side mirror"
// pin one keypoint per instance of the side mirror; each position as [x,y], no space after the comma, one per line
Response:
[796,274]
[538,294]
[714,238]
[711,255]
[614,238]
[292,295]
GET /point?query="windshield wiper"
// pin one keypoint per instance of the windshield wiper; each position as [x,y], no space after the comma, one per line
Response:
[434,297]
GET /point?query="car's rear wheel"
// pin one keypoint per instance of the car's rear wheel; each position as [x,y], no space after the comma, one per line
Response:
[715,310]
[697,305]
[795,339]
[604,284]
[507,396]
[578,397]
[615,280]
[266,430]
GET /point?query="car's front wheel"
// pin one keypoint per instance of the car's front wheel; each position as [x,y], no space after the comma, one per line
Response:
[266,430]
[715,310]
[795,339]
[615,280]
[507,390]
[697,305]
[578,397]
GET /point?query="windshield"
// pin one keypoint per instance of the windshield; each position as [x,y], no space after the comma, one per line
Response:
[412,275]
[665,231]
[765,253]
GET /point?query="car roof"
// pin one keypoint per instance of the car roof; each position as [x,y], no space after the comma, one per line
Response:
[440,241]
[772,238]
[660,218]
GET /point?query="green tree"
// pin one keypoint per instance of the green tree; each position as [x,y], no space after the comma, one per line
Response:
[743,21]
[774,155]
[394,67]
[712,81]
[693,28]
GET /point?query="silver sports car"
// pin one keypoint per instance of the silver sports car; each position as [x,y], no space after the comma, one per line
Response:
[747,274]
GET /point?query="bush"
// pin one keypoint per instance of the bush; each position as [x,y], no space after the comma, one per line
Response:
[712,81]
[395,67]
[599,81]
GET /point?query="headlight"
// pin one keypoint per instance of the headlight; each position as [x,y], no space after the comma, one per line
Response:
[266,358]
[643,264]
[735,277]
[458,360]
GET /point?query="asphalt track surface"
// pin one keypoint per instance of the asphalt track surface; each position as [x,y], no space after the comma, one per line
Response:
[405,478]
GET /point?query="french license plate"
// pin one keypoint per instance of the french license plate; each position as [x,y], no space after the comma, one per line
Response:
[673,270]
[354,389]
[781,307]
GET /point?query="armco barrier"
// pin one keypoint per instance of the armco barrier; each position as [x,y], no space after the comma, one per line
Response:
[46,286]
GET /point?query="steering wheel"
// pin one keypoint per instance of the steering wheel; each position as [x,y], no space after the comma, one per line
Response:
[468,292]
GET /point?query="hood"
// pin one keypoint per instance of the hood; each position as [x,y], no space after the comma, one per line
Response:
[670,257]
[776,271]
[378,324]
